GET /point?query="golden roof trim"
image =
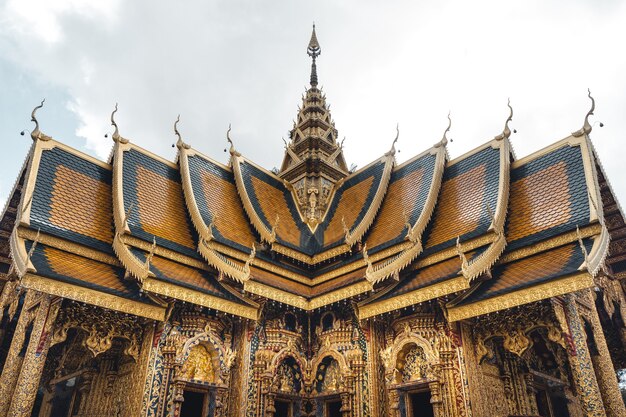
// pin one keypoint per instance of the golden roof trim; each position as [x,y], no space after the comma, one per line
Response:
[190,199]
[196,297]
[93,297]
[275,294]
[223,264]
[298,301]
[569,141]
[483,262]
[382,271]
[138,269]
[551,243]
[19,255]
[257,223]
[68,246]
[233,253]
[120,216]
[164,252]
[414,297]
[416,232]
[24,208]
[340,294]
[563,285]
[451,252]
[363,226]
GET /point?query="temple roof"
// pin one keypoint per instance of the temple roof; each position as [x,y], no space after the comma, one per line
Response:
[467,230]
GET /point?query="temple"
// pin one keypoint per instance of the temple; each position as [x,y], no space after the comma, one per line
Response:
[481,286]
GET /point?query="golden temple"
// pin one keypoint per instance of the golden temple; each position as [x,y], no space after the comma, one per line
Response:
[481,286]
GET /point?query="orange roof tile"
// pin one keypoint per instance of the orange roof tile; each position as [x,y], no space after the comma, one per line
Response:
[161,208]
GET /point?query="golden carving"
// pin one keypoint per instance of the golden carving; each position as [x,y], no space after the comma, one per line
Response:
[93,297]
[538,292]
[199,365]
[100,327]
[196,297]
[414,297]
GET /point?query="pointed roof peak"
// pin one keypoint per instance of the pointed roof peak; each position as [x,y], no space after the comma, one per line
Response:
[313,50]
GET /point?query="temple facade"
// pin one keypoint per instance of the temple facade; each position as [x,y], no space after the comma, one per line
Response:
[482,286]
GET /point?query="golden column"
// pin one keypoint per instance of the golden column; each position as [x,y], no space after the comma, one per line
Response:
[448,388]
[13,361]
[35,357]
[587,388]
[605,372]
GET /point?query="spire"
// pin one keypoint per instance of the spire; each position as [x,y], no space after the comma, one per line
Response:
[313,50]
[313,165]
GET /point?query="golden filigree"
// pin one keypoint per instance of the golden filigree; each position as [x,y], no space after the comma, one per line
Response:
[93,297]
[539,292]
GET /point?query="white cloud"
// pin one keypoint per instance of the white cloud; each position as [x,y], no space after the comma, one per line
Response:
[43,19]
[244,63]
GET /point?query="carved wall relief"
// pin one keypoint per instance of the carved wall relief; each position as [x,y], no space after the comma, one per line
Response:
[199,365]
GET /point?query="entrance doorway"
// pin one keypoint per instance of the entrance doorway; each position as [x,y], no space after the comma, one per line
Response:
[419,404]
[195,404]
[64,402]
[333,408]
[283,408]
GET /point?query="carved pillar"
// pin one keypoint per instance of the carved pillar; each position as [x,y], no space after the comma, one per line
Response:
[602,364]
[7,295]
[346,408]
[169,359]
[353,397]
[394,403]
[435,399]
[178,397]
[449,403]
[84,388]
[13,362]
[516,386]
[34,359]
[531,393]
[221,402]
[359,395]
[580,362]
[270,408]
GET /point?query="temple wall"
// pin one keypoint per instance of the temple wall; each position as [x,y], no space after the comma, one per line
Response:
[510,363]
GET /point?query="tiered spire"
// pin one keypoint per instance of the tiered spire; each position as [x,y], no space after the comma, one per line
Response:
[313,161]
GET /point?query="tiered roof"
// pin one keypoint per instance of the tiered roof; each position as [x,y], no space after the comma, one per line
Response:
[481,232]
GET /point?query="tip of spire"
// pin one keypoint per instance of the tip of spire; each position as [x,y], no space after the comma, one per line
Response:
[314,49]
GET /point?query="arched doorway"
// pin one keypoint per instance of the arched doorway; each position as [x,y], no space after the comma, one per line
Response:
[412,379]
[287,388]
[198,377]
[329,387]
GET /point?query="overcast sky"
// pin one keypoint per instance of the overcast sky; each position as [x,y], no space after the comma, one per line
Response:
[245,63]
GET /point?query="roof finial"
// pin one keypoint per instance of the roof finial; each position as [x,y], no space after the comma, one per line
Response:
[586,129]
[232,149]
[116,135]
[313,50]
[506,132]
[179,143]
[36,133]
[444,139]
[392,151]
